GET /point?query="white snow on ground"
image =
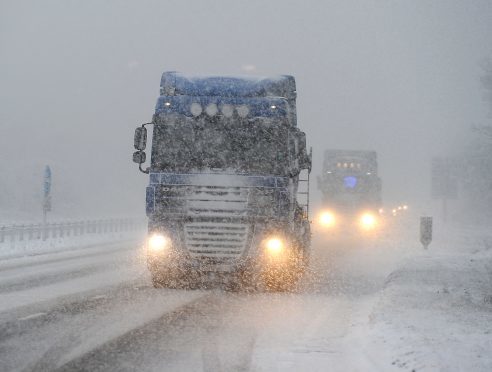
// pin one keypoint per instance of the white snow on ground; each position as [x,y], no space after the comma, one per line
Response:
[386,305]
[435,310]
[113,300]
[391,307]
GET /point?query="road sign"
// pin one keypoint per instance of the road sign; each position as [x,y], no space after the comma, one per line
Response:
[47,181]
[425,231]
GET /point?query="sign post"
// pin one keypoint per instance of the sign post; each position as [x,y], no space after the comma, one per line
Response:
[425,231]
[46,193]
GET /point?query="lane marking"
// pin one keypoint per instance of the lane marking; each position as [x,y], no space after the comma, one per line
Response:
[99,297]
[32,316]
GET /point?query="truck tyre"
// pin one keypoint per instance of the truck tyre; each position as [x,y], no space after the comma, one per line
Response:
[166,279]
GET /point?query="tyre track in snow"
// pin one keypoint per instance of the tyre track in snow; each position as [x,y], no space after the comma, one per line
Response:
[135,327]
[226,331]
[10,263]
[190,337]
[41,339]
[27,281]
[17,274]
[33,281]
[135,348]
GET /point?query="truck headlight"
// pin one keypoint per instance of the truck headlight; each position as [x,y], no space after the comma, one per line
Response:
[274,245]
[158,243]
[368,221]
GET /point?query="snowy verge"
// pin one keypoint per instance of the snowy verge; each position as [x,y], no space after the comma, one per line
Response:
[435,311]
[28,240]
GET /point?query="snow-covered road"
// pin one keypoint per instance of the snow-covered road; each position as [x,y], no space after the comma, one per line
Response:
[386,306]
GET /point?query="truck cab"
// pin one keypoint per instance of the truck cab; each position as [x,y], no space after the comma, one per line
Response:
[222,199]
[351,190]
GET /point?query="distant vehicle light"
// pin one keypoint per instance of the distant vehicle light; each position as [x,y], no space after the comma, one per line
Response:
[227,111]
[368,173]
[368,221]
[242,111]
[405,207]
[157,243]
[196,109]
[211,109]
[327,219]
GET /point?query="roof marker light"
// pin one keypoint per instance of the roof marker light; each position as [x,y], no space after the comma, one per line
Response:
[196,109]
[227,110]
[211,109]
[242,111]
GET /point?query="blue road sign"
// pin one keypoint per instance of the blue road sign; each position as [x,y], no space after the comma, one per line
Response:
[47,181]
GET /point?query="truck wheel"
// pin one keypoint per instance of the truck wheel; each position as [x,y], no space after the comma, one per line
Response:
[165,279]
[282,280]
[156,280]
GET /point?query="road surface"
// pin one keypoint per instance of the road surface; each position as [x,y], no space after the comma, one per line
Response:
[94,309]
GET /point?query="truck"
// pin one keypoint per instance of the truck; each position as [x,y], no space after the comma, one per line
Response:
[351,191]
[228,192]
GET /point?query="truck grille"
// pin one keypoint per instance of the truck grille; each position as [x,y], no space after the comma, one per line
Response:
[214,201]
[216,240]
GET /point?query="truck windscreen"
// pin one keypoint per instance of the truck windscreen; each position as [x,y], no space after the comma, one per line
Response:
[257,146]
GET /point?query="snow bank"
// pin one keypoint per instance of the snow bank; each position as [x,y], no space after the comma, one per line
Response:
[435,312]
[23,240]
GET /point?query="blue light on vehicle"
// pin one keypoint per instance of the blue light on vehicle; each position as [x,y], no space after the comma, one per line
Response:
[350,182]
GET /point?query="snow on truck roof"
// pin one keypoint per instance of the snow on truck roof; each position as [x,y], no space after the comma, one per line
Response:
[332,153]
[179,84]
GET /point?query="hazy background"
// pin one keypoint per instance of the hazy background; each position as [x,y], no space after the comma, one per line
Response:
[76,77]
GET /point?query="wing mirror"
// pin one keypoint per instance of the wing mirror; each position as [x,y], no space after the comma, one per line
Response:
[139,157]
[140,140]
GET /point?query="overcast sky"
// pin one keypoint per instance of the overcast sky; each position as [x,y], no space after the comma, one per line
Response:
[76,77]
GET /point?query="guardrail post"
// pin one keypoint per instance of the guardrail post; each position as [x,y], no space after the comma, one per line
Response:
[29,232]
[113,228]
[44,232]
